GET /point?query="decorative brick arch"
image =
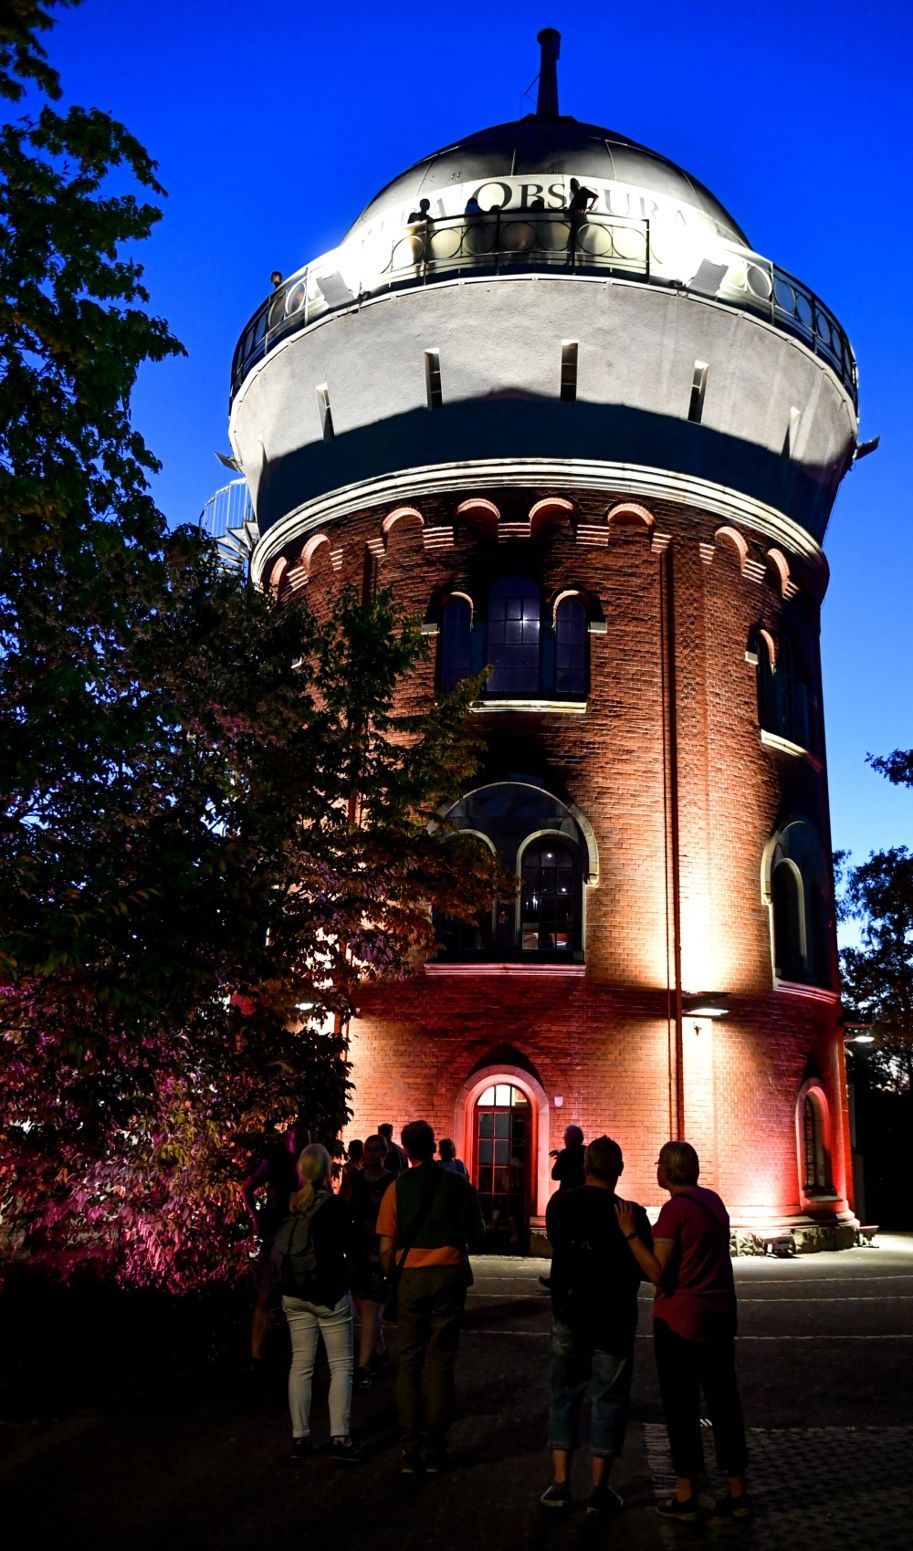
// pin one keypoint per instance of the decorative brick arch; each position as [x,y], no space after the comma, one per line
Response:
[397,515]
[778,562]
[553,511]
[277,576]
[625,511]
[464,1131]
[737,539]
[483,511]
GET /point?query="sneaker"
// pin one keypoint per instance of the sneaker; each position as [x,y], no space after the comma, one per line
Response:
[345,1451]
[363,1379]
[558,1495]
[301,1448]
[740,1507]
[438,1462]
[410,1463]
[604,1499]
[687,1512]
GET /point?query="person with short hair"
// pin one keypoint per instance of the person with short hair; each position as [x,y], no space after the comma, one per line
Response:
[694,1326]
[449,1160]
[395,1162]
[568,1166]
[594,1285]
[432,1216]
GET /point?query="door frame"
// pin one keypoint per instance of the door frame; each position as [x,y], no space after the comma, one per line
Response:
[539,1185]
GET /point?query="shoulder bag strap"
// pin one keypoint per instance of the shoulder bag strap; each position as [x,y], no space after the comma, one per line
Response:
[419,1221]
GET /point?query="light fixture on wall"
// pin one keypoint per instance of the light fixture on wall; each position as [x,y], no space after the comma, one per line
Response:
[704,1007]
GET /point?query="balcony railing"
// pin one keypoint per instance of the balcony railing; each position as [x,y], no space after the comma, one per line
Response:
[512,243]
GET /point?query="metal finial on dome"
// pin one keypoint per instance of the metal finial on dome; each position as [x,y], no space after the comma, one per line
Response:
[547,102]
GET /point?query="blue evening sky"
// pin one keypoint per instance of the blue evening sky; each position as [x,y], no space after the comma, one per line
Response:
[273,126]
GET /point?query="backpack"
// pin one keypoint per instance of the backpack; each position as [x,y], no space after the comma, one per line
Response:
[294,1255]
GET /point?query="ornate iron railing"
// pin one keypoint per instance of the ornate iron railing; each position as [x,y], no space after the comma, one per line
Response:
[515,242]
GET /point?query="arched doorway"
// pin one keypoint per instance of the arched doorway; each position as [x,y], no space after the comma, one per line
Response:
[502,1126]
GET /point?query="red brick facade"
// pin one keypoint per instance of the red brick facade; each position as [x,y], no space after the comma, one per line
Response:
[681,800]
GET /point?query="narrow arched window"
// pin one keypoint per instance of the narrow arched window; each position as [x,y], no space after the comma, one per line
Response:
[789,922]
[768,716]
[550,897]
[454,642]
[816,1160]
[513,636]
[570,646]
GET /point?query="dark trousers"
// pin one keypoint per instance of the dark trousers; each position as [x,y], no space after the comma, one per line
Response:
[429,1311]
[684,1369]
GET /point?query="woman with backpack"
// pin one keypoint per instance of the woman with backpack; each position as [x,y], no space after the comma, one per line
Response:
[313,1252]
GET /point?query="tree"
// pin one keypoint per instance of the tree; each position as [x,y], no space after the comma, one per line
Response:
[213,824]
[878,975]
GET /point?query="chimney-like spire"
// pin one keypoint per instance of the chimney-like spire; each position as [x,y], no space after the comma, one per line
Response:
[550,43]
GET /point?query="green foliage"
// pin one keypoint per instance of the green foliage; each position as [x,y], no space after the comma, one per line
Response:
[213,824]
[878,975]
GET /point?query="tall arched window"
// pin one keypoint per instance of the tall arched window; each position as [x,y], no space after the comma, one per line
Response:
[513,636]
[816,1163]
[550,897]
[798,890]
[454,642]
[570,645]
[790,958]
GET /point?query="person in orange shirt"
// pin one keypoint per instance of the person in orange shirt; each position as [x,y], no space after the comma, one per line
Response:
[428,1223]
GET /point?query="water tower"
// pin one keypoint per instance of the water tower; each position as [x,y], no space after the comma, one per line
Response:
[547,392]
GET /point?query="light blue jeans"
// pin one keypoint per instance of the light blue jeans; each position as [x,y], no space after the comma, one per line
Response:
[335,1326]
[576,1368]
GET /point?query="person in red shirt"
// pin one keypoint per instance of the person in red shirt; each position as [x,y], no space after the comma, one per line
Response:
[694,1326]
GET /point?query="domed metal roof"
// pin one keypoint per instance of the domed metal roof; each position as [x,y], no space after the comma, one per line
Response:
[537,146]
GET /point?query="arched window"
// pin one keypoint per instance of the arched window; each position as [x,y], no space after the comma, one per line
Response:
[549,897]
[816,1163]
[454,641]
[798,891]
[790,958]
[570,646]
[513,636]
[539,841]
[466,939]
[785,702]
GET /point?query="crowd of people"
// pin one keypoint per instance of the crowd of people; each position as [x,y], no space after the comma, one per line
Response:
[393,1230]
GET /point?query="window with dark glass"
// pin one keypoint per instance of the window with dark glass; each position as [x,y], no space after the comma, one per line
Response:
[789,952]
[799,896]
[817,1163]
[539,843]
[454,642]
[549,905]
[570,646]
[513,637]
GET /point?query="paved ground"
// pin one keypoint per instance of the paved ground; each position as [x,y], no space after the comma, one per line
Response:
[826,1363]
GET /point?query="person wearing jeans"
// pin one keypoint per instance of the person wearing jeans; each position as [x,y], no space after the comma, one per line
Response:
[314,1252]
[305,1321]
[594,1285]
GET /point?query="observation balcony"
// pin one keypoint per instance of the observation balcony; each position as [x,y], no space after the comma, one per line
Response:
[511,244]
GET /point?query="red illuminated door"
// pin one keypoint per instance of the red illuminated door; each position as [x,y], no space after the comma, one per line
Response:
[501,1172]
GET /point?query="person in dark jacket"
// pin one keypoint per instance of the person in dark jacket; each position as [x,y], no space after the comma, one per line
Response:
[594,1285]
[568,1165]
[433,1218]
[323,1307]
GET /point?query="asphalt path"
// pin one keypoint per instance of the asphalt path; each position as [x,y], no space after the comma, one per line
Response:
[826,1372]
